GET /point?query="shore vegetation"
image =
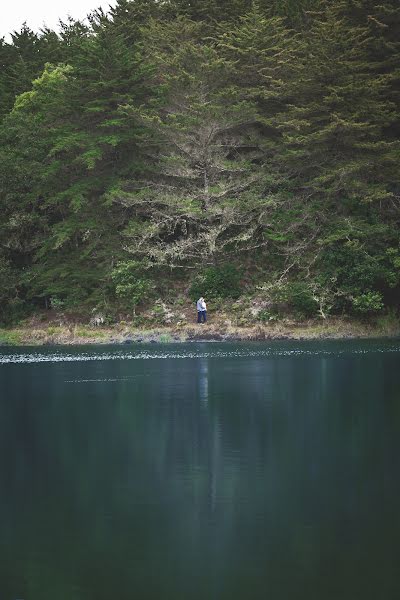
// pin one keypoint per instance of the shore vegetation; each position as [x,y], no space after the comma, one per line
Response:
[244,151]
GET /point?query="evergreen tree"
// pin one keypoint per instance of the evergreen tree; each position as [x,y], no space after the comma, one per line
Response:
[23,60]
[192,198]
[345,163]
[340,112]
[174,133]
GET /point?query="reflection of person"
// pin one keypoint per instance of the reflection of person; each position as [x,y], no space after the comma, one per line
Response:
[201,310]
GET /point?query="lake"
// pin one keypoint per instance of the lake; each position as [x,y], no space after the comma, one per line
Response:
[201,471]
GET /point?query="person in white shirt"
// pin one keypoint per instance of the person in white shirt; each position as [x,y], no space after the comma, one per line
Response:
[201,310]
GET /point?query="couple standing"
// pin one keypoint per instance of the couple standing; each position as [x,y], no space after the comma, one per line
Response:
[201,310]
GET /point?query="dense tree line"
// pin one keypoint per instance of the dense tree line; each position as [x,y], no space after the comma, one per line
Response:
[168,137]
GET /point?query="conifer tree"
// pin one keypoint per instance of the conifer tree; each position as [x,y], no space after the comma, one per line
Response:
[174,133]
[336,138]
[340,111]
[200,143]
[23,60]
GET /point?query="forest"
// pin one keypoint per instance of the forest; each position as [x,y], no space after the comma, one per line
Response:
[226,148]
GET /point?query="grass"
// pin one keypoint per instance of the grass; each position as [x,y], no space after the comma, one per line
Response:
[85,332]
[53,330]
[388,324]
[219,325]
[165,338]
[10,338]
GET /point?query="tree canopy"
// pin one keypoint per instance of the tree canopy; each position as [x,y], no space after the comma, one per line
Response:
[163,137]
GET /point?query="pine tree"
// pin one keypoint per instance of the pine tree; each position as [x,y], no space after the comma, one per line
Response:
[23,60]
[338,117]
[342,159]
[201,147]
[267,55]
[175,133]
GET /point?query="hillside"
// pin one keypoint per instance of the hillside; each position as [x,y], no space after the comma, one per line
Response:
[243,151]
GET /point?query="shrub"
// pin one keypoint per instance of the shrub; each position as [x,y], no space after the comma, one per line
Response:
[301,299]
[10,338]
[367,303]
[291,297]
[52,330]
[217,282]
[165,338]
[267,316]
[389,323]
[56,303]
[129,285]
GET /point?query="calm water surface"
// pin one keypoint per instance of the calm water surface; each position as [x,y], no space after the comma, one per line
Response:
[200,471]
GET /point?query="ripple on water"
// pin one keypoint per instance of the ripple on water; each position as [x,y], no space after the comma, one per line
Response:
[270,351]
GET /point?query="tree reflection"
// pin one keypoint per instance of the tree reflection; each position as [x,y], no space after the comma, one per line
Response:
[204,477]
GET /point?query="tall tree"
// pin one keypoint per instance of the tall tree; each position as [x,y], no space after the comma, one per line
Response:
[336,135]
[23,61]
[195,194]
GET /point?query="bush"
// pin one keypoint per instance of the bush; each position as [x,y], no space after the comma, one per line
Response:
[56,303]
[217,282]
[10,338]
[267,316]
[129,285]
[367,303]
[356,270]
[294,297]
[389,323]
[53,330]
[300,299]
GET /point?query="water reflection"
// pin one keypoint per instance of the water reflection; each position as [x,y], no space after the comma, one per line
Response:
[203,379]
[219,478]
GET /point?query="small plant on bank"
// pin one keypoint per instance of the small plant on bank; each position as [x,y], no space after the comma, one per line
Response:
[10,338]
[162,314]
[389,324]
[85,332]
[139,321]
[165,338]
[300,299]
[53,330]
[268,316]
[82,332]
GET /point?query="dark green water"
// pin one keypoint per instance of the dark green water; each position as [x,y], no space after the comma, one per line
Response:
[201,471]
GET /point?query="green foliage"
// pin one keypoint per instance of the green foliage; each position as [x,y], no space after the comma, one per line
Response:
[165,338]
[290,297]
[85,332]
[359,269]
[11,305]
[51,330]
[300,299]
[10,338]
[217,282]
[166,135]
[268,315]
[369,302]
[129,285]
[389,323]
[56,303]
